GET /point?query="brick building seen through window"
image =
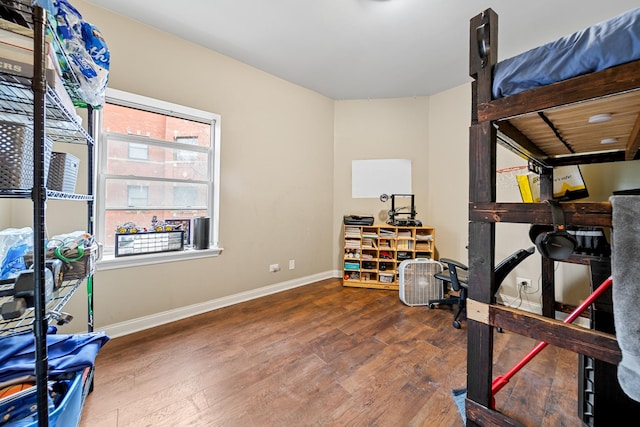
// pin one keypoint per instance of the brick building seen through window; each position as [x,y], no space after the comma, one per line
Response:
[152,164]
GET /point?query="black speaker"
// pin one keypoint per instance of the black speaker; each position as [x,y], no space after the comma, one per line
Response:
[553,241]
[201,227]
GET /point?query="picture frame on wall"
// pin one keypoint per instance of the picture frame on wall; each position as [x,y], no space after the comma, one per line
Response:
[186,226]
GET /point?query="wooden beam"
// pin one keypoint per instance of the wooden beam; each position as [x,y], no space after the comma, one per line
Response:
[591,343]
[634,142]
[621,78]
[596,344]
[596,214]
[478,415]
[521,145]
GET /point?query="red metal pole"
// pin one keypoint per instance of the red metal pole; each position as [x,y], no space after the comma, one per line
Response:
[502,380]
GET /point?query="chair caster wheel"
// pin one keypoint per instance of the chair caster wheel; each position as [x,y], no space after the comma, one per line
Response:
[500,330]
[456,324]
[432,306]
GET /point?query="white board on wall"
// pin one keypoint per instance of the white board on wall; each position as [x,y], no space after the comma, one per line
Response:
[371,178]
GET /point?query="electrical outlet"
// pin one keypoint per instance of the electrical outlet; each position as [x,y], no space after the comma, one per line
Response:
[292,264]
[523,283]
[274,267]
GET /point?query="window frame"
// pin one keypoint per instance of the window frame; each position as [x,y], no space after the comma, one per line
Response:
[127,99]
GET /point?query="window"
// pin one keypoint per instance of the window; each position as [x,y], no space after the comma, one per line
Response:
[138,151]
[155,160]
[185,155]
[137,195]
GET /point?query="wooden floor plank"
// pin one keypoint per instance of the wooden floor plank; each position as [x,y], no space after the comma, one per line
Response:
[318,355]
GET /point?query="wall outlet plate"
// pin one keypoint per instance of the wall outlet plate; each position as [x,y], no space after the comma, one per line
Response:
[523,282]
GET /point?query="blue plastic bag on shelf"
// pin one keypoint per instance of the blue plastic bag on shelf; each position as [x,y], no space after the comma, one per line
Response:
[88,53]
[14,244]
[13,263]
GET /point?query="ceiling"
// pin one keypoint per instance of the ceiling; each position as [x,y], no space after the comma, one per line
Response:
[363,49]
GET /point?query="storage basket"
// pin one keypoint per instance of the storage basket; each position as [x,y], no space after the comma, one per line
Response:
[65,399]
[386,278]
[72,270]
[63,172]
[16,156]
[83,267]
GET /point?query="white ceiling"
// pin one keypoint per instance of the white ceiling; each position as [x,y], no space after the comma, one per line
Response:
[363,49]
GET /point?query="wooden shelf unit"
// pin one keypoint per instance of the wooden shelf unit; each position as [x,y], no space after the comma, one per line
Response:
[372,254]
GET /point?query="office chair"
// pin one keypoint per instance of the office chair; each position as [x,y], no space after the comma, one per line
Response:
[456,275]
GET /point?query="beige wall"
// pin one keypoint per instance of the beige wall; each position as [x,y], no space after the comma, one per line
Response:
[378,129]
[286,176]
[276,189]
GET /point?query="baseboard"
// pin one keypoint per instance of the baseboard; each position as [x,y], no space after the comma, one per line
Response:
[158,319]
[522,304]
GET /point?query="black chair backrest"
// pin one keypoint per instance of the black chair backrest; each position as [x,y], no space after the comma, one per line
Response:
[509,263]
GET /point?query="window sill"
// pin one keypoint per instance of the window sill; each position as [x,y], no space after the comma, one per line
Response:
[110,262]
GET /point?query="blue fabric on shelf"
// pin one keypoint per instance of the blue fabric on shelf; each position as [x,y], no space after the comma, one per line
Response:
[606,44]
[66,353]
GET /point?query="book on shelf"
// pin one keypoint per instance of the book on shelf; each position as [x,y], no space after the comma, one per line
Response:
[368,243]
[404,244]
[352,232]
[387,233]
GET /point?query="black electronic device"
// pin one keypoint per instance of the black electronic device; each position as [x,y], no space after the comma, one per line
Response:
[395,213]
[553,242]
[357,220]
[25,286]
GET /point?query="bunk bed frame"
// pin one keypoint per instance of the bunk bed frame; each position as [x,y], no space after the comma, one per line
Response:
[550,110]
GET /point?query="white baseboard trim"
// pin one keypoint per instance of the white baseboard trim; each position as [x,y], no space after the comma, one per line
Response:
[158,319]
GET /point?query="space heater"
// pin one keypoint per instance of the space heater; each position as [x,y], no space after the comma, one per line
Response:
[416,282]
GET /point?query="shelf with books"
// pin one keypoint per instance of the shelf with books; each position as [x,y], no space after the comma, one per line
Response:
[372,254]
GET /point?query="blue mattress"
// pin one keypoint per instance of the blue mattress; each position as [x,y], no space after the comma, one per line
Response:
[606,44]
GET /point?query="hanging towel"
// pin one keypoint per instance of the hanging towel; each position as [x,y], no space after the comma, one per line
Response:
[65,353]
[625,247]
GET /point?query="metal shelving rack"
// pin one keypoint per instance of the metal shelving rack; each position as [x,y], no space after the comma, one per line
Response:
[33,103]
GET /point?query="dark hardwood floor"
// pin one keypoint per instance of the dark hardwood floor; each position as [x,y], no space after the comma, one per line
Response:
[318,355]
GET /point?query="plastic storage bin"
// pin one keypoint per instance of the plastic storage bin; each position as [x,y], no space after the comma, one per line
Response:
[66,414]
[16,156]
[63,172]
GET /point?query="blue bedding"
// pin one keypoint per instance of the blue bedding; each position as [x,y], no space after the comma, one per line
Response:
[606,44]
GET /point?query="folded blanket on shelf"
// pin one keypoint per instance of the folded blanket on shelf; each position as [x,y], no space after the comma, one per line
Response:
[625,247]
[66,353]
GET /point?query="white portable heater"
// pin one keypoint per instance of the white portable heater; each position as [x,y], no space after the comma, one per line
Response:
[417,285]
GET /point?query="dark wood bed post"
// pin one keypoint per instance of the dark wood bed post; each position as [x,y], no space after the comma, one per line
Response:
[482,155]
[548,280]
